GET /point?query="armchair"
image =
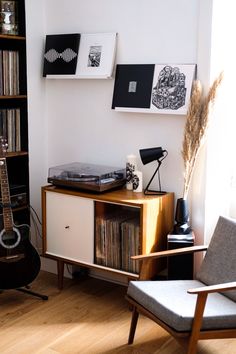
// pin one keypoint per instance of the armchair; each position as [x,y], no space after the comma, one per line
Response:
[190,310]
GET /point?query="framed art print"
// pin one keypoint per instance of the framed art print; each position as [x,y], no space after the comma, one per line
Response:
[153,88]
[96,55]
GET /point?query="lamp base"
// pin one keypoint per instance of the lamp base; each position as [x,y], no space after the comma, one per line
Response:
[152,192]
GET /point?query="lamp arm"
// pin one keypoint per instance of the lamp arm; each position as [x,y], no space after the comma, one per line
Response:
[154,174]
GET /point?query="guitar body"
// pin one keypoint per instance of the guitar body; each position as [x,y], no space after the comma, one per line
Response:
[19,260]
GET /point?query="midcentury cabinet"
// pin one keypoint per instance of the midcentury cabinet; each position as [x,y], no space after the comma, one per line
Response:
[103,231]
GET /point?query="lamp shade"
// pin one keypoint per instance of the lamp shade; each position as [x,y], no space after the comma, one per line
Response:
[151,154]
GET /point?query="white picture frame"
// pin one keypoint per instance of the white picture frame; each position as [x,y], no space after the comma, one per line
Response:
[96,55]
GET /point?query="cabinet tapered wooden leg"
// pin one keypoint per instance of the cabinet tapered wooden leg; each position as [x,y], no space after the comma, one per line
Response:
[133,325]
[60,273]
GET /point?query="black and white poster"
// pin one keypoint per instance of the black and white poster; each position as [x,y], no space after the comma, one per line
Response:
[94,55]
[61,54]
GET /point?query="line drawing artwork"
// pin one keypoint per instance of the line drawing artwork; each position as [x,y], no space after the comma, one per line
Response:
[94,56]
[170,89]
[135,182]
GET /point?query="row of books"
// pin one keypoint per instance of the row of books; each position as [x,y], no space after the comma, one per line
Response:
[117,239]
[9,73]
[10,128]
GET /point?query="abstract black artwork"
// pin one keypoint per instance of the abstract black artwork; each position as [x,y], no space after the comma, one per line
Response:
[133,85]
[61,54]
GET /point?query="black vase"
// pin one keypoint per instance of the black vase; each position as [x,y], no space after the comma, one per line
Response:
[181,226]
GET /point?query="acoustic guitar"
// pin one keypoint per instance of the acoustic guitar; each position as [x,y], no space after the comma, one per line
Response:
[19,260]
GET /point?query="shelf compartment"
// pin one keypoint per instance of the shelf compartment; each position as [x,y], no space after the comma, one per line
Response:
[117,236]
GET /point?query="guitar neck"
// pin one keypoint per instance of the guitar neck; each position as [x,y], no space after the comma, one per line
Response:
[6,201]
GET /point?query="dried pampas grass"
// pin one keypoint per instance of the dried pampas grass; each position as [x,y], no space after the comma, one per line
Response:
[196,125]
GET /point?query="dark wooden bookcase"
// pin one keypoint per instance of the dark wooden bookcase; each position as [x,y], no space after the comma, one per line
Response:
[17,159]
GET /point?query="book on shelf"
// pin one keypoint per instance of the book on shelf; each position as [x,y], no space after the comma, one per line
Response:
[130,244]
[117,238]
[9,75]
[10,128]
[108,241]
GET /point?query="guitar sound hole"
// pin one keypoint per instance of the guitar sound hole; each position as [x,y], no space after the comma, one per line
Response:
[10,239]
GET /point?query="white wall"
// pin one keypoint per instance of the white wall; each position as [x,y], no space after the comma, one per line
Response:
[35,27]
[221,140]
[81,124]
[72,120]
[198,184]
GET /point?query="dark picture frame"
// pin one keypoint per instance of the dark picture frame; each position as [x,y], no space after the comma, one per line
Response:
[61,54]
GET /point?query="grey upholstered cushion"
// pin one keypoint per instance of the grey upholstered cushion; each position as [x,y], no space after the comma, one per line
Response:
[219,264]
[171,303]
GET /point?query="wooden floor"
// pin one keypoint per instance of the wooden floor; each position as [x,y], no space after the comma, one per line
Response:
[88,316]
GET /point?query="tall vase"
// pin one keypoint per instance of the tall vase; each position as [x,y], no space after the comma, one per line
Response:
[181,226]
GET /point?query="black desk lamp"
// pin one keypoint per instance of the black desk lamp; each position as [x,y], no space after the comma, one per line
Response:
[149,155]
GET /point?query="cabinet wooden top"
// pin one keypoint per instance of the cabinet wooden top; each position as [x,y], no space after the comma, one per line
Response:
[116,196]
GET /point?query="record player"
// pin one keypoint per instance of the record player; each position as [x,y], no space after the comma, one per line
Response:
[91,177]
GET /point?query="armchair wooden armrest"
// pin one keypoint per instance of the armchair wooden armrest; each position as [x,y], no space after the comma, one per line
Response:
[213,288]
[147,258]
[160,254]
[202,294]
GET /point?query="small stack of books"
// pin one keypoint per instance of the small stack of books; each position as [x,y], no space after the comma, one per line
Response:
[9,75]
[10,128]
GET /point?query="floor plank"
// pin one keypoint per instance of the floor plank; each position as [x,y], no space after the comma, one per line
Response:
[88,316]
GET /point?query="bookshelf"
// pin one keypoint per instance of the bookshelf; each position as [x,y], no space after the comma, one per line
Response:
[102,231]
[13,104]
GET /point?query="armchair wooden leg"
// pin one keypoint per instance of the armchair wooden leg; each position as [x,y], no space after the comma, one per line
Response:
[133,325]
[197,322]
